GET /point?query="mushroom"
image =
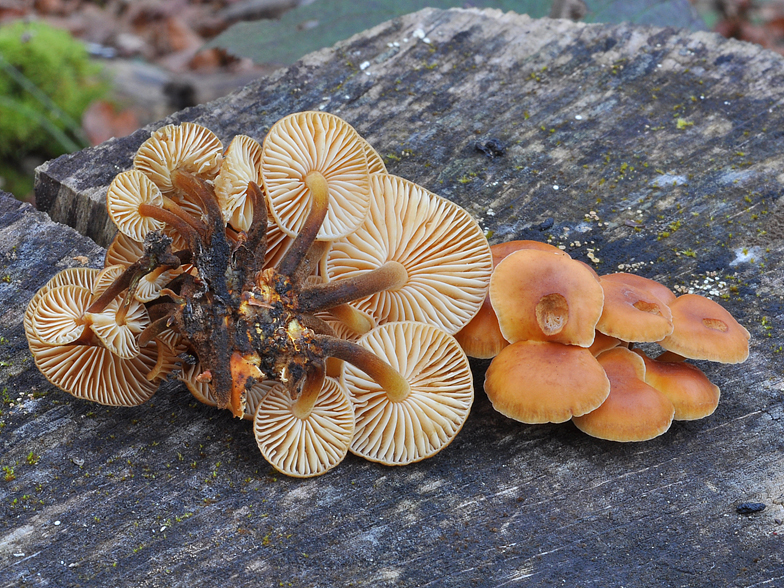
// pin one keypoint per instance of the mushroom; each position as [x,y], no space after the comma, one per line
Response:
[123,251]
[416,257]
[481,337]
[118,325]
[58,318]
[705,330]
[137,207]
[188,147]
[688,388]
[633,313]
[305,439]
[542,382]
[543,296]
[398,426]
[659,290]
[634,410]
[241,165]
[96,374]
[315,159]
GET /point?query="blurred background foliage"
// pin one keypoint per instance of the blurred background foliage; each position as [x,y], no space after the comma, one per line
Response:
[78,72]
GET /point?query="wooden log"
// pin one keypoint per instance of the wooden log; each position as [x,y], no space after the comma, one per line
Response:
[640,149]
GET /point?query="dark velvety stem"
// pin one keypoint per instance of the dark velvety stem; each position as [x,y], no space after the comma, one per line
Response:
[315,324]
[390,276]
[195,223]
[310,262]
[184,228]
[203,193]
[248,255]
[319,203]
[383,374]
[154,329]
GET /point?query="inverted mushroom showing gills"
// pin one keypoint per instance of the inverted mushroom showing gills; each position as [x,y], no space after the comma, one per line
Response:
[210,282]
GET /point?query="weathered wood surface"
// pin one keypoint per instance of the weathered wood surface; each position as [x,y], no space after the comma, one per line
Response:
[666,150]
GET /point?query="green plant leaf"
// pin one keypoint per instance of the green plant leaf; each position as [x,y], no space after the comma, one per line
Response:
[325,22]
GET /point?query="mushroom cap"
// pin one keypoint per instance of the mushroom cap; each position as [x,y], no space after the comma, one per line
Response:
[543,296]
[481,338]
[58,318]
[659,290]
[705,330]
[310,446]
[241,165]
[188,147]
[602,342]
[441,247]
[688,388]
[106,278]
[541,382]
[634,411]
[426,421]
[502,250]
[76,276]
[308,142]
[633,313]
[375,161]
[95,373]
[119,336]
[126,192]
[123,251]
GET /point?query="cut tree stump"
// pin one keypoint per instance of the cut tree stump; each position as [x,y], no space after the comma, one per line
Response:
[648,150]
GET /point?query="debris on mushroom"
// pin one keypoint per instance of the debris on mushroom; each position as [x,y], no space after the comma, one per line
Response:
[543,296]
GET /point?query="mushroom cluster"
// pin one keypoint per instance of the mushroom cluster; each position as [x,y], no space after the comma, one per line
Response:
[292,282]
[562,337]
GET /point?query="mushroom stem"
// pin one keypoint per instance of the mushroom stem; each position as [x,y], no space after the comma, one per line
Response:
[180,225]
[383,374]
[311,388]
[171,206]
[309,263]
[250,251]
[154,329]
[319,190]
[390,276]
[354,319]
[205,196]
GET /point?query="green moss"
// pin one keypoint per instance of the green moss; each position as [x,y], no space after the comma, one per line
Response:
[46,82]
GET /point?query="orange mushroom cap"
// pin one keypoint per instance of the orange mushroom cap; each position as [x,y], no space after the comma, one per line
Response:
[481,337]
[659,290]
[705,330]
[634,411]
[543,296]
[632,313]
[688,388]
[540,382]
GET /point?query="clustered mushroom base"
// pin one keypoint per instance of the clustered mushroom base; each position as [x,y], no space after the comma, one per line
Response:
[219,276]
